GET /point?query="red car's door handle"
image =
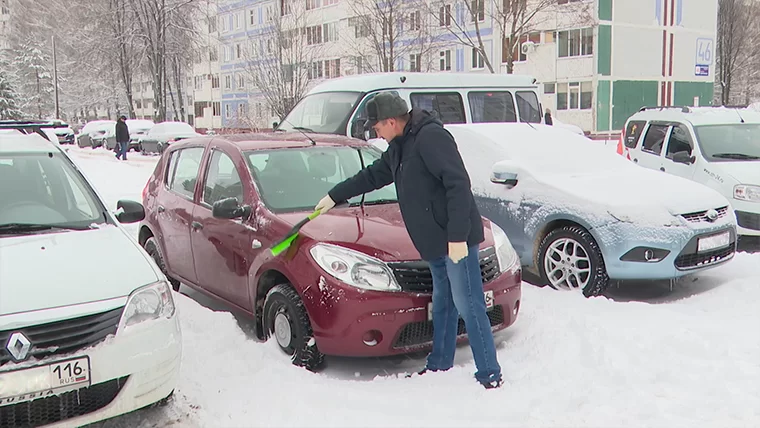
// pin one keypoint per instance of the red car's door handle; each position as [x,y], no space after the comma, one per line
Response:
[161,209]
[196,226]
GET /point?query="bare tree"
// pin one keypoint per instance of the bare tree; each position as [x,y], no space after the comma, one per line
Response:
[512,20]
[737,56]
[385,32]
[284,58]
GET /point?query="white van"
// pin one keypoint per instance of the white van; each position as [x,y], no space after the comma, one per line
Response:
[715,146]
[338,106]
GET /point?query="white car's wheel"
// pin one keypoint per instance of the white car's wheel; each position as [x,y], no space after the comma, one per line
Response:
[570,259]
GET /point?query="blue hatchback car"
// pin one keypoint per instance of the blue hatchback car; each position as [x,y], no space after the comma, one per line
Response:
[579,215]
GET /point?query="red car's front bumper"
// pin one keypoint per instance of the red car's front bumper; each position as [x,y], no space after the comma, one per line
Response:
[356,323]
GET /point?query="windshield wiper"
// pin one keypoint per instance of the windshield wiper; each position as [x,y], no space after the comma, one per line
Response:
[302,128]
[735,156]
[375,202]
[12,228]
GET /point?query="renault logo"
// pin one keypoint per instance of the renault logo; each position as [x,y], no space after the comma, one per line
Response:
[18,346]
[712,215]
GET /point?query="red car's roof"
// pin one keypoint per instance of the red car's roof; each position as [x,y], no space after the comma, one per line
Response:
[280,140]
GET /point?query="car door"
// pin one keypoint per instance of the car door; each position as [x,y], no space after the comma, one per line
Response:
[175,210]
[224,248]
[681,142]
[650,148]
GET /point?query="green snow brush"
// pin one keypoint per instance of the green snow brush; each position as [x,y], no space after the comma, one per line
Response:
[283,245]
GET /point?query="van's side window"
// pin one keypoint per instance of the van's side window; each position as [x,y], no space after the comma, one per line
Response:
[448,106]
[527,103]
[654,139]
[679,141]
[489,107]
[633,132]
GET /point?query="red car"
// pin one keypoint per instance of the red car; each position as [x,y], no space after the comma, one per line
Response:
[352,284]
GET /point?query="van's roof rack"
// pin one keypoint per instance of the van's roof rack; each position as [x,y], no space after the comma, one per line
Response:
[684,109]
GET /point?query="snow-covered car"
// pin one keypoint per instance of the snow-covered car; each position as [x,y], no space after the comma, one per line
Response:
[93,130]
[80,342]
[580,216]
[138,128]
[64,132]
[161,135]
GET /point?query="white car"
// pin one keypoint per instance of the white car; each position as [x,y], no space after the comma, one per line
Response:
[80,341]
[718,147]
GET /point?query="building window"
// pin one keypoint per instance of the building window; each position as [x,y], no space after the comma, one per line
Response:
[241,81]
[312,4]
[227,111]
[415,21]
[549,88]
[285,7]
[332,68]
[478,61]
[415,62]
[444,16]
[478,10]
[314,35]
[316,71]
[574,96]
[252,17]
[215,82]
[228,82]
[575,42]
[216,108]
[445,62]
[330,32]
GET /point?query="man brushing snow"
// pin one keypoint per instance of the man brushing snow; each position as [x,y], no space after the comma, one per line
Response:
[442,220]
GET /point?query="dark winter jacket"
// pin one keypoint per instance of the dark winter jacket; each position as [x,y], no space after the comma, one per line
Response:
[122,132]
[548,119]
[432,184]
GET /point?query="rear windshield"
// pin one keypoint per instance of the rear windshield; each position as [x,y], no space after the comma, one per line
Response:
[296,179]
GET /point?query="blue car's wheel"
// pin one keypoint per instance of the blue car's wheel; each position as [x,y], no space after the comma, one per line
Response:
[570,259]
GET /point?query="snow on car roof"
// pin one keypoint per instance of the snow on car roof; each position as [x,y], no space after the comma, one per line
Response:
[25,143]
[379,81]
[701,115]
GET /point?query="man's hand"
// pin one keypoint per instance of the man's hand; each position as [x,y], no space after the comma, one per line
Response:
[457,251]
[325,205]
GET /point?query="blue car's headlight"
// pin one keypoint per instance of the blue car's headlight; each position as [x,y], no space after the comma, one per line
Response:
[505,253]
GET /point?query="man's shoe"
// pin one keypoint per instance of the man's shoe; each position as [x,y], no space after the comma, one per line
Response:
[423,371]
[492,384]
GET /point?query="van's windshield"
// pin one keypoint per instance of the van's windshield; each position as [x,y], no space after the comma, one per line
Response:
[729,143]
[322,113]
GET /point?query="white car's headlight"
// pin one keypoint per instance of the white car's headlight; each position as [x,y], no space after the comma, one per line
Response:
[747,192]
[505,253]
[354,268]
[148,303]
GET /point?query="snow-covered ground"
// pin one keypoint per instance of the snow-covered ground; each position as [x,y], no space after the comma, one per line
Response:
[643,356]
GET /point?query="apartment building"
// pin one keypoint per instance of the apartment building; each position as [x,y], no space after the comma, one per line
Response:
[598,60]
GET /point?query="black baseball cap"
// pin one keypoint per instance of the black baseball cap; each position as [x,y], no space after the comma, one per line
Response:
[384,105]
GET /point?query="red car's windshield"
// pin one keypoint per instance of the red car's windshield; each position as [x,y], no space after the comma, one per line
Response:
[296,179]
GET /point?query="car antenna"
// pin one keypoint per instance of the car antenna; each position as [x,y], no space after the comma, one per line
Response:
[361,160]
[739,114]
[313,143]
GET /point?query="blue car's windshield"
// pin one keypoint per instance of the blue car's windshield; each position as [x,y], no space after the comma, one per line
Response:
[296,179]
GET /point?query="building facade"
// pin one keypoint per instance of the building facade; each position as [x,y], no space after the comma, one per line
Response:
[597,60]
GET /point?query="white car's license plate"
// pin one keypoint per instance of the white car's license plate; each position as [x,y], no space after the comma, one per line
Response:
[712,242]
[488,295]
[43,381]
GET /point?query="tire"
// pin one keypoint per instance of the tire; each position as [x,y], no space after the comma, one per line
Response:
[283,305]
[151,247]
[586,272]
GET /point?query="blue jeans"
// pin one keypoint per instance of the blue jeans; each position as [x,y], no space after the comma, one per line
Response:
[458,290]
[121,150]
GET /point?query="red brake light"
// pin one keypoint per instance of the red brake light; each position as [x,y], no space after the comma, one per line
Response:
[145,190]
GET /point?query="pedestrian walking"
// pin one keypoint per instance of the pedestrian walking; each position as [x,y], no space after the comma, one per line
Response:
[548,117]
[438,208]
[122,138]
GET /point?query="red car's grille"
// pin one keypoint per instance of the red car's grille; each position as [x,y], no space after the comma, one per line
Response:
[421,333]
[415,277]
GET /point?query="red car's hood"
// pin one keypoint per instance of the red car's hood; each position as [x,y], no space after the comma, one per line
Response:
[378,231]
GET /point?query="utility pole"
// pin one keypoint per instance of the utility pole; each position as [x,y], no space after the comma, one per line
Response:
[55,81]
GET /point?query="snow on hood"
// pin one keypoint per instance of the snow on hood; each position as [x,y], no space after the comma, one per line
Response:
[552,163]
[69,268]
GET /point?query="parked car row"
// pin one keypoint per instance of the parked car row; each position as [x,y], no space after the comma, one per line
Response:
[145,135]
